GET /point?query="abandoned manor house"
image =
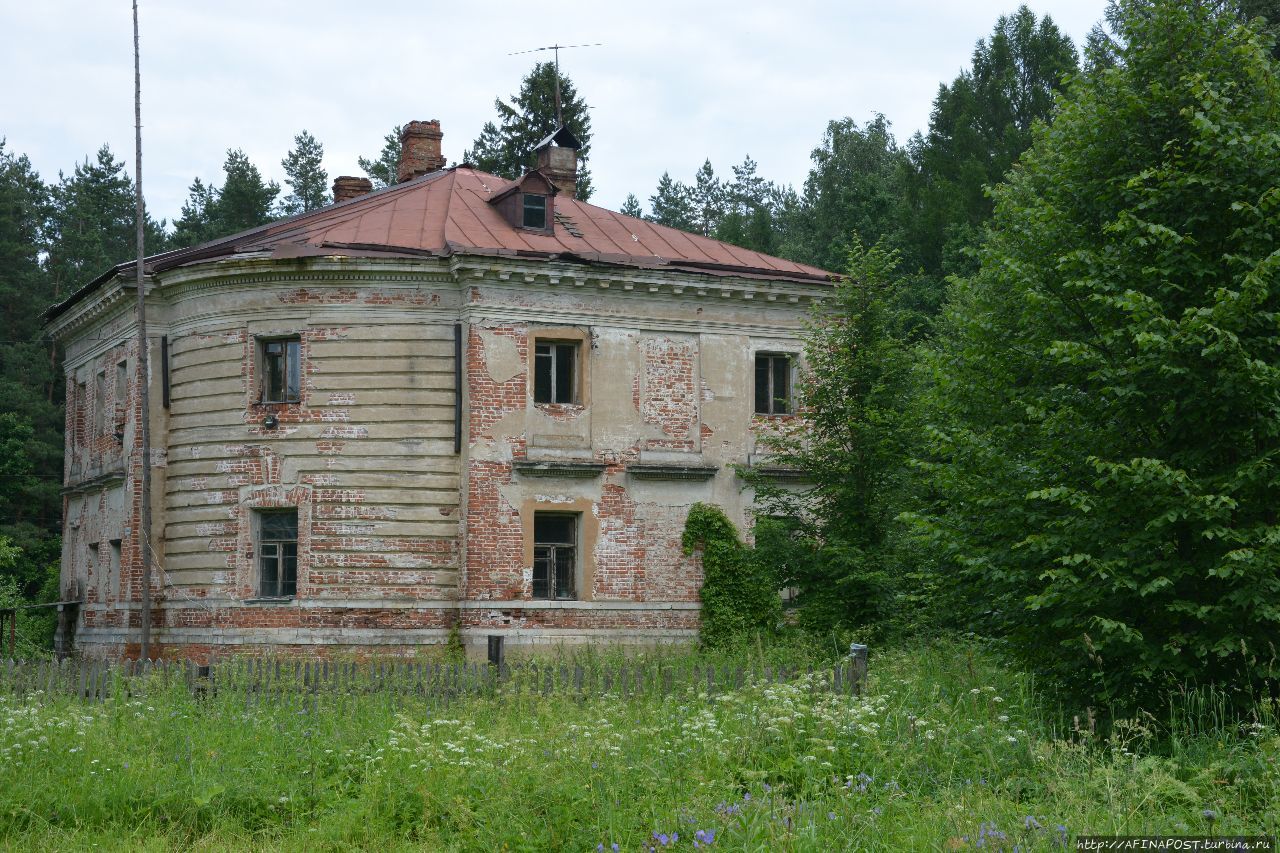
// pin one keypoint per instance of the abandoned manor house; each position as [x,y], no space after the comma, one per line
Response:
[460,404]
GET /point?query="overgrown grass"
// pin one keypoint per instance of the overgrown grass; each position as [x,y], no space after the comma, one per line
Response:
[946,747]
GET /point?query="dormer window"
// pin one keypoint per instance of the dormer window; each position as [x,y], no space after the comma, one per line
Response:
[535,211]
[528,203]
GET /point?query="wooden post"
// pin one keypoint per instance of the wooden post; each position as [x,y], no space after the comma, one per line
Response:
[857,667]
[497,657]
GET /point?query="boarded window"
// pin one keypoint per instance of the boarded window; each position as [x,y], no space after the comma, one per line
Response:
[282,370]
[773,384]
[278,553]
[555,372]
[555,555]
[535,211]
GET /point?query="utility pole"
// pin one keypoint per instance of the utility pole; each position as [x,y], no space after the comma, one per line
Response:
[143,537]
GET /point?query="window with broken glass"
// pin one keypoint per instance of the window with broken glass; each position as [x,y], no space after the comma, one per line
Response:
[555,369]
[555,555]
[282,370]
[278,553]
[773,384]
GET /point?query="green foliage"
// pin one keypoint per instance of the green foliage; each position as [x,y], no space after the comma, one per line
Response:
[308,181]
[855,187]
[944,744]
[243,201]
[506,148]
[739,592]
[672,204]
[981,124]
[631,207]
[855,391]
[1105,416]
[383,168]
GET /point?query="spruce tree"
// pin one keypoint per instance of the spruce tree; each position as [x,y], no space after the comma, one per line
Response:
[631,207]
[507,148]
[708,198]
[308,181]
[672,205]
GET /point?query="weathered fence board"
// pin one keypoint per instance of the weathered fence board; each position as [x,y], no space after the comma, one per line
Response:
[97,680]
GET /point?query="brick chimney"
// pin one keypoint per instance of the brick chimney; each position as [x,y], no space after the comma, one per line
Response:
[347,187]
[560,165]
[419,149]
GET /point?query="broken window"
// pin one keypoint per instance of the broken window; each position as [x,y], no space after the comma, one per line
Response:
[555,555]
[277,553]
[773,384]
[535,211]
[282,370]
[555,372]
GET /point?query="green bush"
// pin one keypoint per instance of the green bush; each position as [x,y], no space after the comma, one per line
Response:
[739,591]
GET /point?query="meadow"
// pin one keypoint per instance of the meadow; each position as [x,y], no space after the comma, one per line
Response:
[946,748]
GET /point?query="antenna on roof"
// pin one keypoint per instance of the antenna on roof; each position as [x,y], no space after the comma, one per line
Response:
[557,48]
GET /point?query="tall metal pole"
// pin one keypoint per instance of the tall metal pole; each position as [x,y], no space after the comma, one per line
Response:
[559,115]
[143,537]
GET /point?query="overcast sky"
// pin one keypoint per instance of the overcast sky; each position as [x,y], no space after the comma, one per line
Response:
[673,83]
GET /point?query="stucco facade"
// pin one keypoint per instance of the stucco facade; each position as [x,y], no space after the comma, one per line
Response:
[415,458]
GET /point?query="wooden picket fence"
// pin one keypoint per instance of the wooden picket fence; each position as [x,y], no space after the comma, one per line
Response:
[98,680]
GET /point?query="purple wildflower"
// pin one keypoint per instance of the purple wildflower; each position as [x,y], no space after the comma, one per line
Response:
[1031,823]
[1209,815]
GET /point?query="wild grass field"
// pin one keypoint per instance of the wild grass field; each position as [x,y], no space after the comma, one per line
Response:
[947,748]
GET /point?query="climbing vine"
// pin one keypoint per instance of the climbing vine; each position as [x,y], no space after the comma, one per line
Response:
[739,592]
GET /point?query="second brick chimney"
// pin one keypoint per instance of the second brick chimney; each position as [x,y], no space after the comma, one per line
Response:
[419,150]
[347,187]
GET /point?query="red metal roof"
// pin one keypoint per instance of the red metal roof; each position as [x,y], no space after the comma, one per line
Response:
[447,212]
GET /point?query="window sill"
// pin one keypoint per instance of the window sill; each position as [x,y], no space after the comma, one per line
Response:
[270,600]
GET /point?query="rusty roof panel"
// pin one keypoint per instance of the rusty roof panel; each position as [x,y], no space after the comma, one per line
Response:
[447,212]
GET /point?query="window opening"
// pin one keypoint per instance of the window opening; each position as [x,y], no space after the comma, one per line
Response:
[282,371]
[555,555]
[535,211]
[773,384]
[278,554]
[554,372]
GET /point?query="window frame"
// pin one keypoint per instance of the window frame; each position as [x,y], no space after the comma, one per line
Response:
[290,369]
[279,547]
[550,555]
[788,401]
[580,340]
[556,353]
[524,211]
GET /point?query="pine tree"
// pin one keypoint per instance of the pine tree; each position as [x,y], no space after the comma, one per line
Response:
[383,168]
[196,224]
[245,200]
[506,148]
[631,207]
[672,205]
[708,198]
[92,224]
[306,177]
[30,379]
[749,213]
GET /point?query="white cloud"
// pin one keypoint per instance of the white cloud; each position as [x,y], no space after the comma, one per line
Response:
[673,83]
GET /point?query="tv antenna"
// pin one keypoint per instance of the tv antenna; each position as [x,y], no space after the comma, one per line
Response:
[557,48]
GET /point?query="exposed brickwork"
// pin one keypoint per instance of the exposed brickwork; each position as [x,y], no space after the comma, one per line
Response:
[356,455]
[668,392]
